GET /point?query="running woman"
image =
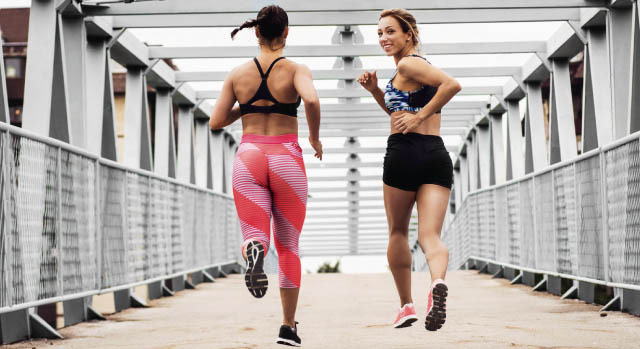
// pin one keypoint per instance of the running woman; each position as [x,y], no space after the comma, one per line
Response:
[269,178]
[417,167]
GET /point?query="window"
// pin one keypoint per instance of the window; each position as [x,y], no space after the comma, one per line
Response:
[15,116]
[14,67]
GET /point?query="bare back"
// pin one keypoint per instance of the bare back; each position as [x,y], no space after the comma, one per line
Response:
[246,80]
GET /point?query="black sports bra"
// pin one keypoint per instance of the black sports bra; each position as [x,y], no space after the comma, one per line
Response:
[290,109]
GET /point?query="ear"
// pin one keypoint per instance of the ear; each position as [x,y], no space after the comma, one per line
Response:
[256,31]
[286,32]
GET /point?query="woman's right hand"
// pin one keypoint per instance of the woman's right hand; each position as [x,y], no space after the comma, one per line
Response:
[368,80]
[317,146]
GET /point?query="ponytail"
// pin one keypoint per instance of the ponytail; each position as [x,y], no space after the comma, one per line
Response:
[248,24]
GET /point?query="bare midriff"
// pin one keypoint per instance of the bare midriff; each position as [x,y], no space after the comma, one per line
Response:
[269,124]
[430,126]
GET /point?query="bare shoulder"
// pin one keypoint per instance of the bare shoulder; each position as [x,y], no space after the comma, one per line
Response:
[300,68]
[410,65]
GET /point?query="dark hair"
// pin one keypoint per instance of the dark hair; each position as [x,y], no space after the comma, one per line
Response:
[271,21]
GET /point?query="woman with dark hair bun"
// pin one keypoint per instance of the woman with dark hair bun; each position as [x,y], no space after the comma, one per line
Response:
[269,178]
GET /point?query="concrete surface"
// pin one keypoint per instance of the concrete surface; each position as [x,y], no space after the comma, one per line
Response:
[356,311]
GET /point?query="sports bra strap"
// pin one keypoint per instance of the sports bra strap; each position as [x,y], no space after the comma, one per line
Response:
[255,59]
[262,74]
[271,66]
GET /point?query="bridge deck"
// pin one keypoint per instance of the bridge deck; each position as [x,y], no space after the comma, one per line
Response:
[356,311]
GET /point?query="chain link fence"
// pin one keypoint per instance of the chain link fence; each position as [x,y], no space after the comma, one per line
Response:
[72,224]
[578,219]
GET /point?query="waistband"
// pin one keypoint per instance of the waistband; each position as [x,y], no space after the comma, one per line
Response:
[416,136]
[286,138]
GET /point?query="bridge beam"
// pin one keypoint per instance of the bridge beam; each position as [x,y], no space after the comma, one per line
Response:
[346,50]
[338,18]
[335,74]
[195,6]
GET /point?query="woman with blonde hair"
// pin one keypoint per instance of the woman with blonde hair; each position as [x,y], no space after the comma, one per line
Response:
[269,178]
[417,166]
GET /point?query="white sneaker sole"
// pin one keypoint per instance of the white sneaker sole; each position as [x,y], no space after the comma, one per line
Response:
[288,342]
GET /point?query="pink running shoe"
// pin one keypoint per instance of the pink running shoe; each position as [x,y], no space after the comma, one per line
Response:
[406,316]
[437,306]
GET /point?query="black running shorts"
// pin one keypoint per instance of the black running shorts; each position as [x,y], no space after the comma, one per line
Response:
[415,159]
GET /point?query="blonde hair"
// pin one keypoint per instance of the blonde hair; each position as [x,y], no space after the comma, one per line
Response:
[407,23]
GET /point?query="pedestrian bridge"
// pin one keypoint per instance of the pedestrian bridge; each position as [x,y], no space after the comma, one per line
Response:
[544,138]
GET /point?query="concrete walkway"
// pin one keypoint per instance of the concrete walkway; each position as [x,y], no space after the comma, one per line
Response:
[356,311]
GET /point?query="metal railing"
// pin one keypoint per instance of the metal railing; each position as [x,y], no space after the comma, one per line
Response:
[578,219]
[74,225]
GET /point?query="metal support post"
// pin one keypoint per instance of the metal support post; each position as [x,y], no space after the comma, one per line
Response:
[203,173]
[634,93]
[217,160]
[586,291]
[45,98]
[137,129]
[620,35]
[597,122]
[515,163]
[186,160]
[484,152]
[464,174]
[535,144]
[4,102]
[498,160]
[100,117]
[562,130]
[630,301]
[472,156]
[154,290]
[165,141]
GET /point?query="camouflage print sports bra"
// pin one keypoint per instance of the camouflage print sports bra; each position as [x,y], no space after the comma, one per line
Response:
[399,100]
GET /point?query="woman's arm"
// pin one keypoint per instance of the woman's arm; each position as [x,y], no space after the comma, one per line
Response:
[421,71]
[303,83]
[224,114]
[370,83]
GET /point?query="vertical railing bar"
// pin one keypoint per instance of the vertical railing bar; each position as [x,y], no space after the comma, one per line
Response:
[554,225]
[125,227]
[605,215]
[535,223]
[98,216]
[58,234]
[578,202]
[148,227]
[6,163]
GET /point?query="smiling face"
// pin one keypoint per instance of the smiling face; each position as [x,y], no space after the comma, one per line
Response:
[391,37]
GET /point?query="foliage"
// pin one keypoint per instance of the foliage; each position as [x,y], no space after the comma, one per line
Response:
[327,268]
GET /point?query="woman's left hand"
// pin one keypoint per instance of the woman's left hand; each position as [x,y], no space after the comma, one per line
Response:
[406,122]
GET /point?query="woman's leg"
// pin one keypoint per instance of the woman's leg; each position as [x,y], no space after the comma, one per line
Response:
[253,204]
[251,195]
[398,204]
[432,202]
[288,183]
